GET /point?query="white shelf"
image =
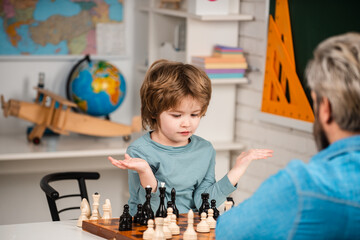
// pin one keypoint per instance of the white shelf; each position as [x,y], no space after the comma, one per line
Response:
[184,14]
[16,147]
[230,81]
[73,146]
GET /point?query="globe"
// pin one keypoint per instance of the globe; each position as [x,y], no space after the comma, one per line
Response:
[97,87]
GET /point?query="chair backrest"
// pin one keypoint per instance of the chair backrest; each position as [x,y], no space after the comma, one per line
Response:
[52,195]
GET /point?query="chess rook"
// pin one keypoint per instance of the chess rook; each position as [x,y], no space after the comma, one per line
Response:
[205,203]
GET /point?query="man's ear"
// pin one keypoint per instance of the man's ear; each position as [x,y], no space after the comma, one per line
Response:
[325,110]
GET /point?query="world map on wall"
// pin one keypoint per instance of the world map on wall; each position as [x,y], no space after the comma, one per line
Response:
[54,27]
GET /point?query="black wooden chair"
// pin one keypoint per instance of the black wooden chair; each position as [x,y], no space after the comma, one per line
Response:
[52,195]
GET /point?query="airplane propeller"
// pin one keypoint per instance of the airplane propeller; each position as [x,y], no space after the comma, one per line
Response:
[4,106]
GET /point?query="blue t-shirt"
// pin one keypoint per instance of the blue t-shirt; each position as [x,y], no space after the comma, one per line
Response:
[190,169]
[319,200]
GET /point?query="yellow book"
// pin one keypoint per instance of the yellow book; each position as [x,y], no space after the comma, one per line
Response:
[227,55]
[212,59]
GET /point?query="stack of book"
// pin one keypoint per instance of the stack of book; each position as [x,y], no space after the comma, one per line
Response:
[225,63]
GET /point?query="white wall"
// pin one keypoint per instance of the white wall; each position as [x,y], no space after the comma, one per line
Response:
[286,142]
[21,197]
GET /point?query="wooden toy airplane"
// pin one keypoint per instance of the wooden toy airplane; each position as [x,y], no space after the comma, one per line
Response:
[61,120]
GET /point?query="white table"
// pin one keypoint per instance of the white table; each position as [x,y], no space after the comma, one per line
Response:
[45,230]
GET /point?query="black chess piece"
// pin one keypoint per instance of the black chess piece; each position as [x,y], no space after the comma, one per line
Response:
[204,207]
[230,199]
[137,216]
[213,207]
[125,221]
[169,205]
[161,212]
[147,212]
[173,196]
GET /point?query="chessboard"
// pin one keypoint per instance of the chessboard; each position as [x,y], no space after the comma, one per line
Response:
[109,229]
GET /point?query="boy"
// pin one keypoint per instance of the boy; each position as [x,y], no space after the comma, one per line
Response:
[174,97]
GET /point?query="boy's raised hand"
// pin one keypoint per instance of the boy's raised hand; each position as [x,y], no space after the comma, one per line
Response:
[136,164]
[141,166]
[243,161]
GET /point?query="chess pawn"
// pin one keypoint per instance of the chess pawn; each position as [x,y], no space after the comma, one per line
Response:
[203,226]
[213,207]
[137,216]
[159,232]
[210,219]
[230,199]
[149,232]
[205,203]
[169,213]
[169,205]
[190,233]
[161,212]
[82,217]
[166,229]
[174,228]
[125,221]
[173,197]
[229,204]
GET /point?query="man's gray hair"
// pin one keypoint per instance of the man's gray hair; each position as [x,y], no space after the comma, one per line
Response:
[334,73]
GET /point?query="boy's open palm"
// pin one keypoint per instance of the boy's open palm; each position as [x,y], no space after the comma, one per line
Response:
[245,158]
[243,161]
[136,164]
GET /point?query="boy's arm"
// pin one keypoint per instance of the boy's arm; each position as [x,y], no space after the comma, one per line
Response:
[217,190]
[270,212]
[224,187]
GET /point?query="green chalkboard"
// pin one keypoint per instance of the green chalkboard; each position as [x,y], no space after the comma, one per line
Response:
[312,21]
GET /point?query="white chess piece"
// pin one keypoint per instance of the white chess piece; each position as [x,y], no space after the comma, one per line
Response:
[94,215]
[85,204]
[166,229]
[107,201]
[169,214]
[228,205]
[210,219]
[149,232]
[83,216]
[159,232]
[95,205]
[174,228]
[203,226]
[190,233]
[106,212]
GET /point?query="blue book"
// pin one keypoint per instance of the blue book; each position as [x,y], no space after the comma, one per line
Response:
[225,75]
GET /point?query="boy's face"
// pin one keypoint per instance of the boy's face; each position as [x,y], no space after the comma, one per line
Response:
[178,124]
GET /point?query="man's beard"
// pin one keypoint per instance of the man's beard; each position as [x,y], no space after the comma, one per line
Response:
[320,137]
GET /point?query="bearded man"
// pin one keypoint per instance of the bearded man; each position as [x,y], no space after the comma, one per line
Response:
[319,200]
